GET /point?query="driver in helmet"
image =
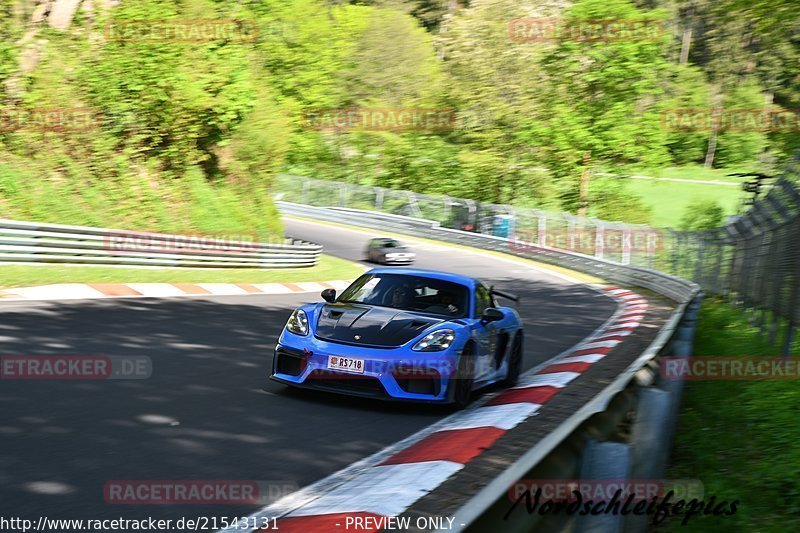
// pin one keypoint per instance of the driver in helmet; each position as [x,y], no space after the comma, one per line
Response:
[402,297]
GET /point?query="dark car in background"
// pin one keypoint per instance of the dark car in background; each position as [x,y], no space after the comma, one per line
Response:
[388,251]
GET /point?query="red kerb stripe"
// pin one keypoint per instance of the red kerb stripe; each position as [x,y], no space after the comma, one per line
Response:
[457,445]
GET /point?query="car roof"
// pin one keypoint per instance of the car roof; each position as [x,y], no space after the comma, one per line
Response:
[434,274]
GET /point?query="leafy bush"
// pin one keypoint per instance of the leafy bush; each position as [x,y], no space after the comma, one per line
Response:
[702,214]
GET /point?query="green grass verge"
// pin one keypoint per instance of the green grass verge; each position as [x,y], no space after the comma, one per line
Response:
[669,199]
[693,172]
[740,438]
[328,268]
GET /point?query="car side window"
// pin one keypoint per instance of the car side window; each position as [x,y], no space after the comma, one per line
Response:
[483,300]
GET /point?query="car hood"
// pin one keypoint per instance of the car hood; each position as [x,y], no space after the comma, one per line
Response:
[367,325]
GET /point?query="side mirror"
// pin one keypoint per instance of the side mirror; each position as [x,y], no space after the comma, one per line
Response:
[491,314]
[329,295]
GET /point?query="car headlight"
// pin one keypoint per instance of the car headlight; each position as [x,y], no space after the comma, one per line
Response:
[298,322]
[435,342]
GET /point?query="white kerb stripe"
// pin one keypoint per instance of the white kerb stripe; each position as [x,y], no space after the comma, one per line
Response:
[624,325]
[620,333]
[386,490]
[273,288]
[598,344]
[635,307]
[223,289]
[555,379]
[588,358]
[339,284]
[620,291]
[310,286]
[156,289]
[631,297]
[499,416]
[58,291]
[635,302]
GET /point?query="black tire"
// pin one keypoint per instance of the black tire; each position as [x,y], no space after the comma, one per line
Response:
[462,384]
[514,362]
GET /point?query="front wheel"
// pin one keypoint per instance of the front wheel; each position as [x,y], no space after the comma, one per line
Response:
[462,381]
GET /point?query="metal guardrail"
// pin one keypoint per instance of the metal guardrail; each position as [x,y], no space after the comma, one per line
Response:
[29,242]
[677,289]
[633,244]
[481,510]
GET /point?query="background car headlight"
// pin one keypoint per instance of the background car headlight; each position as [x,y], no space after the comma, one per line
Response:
[436,341]
[298,322]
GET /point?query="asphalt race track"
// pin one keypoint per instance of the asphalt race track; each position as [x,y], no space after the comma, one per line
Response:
[209,412]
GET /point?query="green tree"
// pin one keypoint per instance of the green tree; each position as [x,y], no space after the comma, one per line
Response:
[600,101]
[8,53]
[687,89]
[736,147]
[170,100]
[489,81]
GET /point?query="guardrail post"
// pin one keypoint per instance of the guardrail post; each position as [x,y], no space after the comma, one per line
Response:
[604,461]
[650,443]
[542,229]
[379,200]
[626,245]
[306,189]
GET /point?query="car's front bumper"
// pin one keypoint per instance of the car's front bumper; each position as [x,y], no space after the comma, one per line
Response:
[390,374]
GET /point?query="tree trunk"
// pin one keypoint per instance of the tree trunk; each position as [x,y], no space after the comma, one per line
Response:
[686,43]
[712,138]
[712,148]
[62,12]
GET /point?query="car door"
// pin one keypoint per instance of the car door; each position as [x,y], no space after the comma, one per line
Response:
[484,334]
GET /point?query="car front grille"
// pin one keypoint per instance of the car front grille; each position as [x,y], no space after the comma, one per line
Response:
[341,382]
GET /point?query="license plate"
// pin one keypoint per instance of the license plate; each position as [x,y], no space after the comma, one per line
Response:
[348,364]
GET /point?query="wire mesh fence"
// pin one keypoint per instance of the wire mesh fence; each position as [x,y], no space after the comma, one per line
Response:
[754,260]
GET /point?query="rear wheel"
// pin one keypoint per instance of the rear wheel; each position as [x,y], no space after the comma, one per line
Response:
[462,382]
[514,362]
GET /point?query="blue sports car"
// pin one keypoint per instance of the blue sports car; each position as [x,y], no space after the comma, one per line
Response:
[403,334]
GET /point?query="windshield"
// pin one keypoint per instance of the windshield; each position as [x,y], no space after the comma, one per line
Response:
[409,293]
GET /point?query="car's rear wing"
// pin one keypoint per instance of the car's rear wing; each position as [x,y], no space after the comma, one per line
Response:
[506,295]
